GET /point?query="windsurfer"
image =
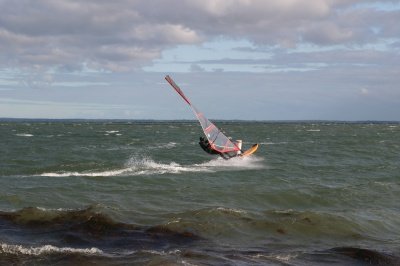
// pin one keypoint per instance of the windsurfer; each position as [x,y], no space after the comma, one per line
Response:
[218,144]
[206,146]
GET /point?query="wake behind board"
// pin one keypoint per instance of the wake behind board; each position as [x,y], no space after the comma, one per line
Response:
[250,151]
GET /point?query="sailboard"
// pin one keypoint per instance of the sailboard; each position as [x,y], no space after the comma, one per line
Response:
[216,138]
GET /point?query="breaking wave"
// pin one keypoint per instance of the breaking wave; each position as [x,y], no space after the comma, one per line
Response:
[147,166]
[87,235]
[46,249]
[87,230]
[135,167]
[24,135]
[237,163]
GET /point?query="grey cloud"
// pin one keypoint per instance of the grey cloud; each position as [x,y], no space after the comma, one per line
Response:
[97,33]
[125,35]
[305,61]
[196,68]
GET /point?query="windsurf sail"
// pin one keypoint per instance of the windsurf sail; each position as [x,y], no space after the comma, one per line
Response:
[216,138]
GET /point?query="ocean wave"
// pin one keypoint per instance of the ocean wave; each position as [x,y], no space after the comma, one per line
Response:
[43,217]
[309,224]
[208,213]
[334,256]
[133,167]
[231,210]
[46,249]
[159,252]
[225,221]
[83,228]
[90,227]
[111,132]
[147,166]
[55,209]
[86,173]
[24,135]
[136,166]
[237,163]
[168,145]
[212,212]
[284,258]
[91,233]
[274,143]
[367,256]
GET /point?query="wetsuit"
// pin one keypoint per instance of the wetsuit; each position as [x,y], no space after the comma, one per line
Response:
[205,145]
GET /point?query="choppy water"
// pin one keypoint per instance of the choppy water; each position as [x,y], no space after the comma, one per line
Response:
[145,193]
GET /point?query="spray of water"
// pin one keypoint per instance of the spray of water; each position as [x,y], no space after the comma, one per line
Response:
[147,166]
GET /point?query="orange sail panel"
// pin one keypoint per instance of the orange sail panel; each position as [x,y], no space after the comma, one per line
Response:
[217,139]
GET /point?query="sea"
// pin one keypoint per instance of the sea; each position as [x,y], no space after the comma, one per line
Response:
[116,192]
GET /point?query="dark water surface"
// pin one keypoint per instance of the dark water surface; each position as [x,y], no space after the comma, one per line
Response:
[112,193]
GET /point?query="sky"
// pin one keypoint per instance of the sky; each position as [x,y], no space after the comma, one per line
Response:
[235,59]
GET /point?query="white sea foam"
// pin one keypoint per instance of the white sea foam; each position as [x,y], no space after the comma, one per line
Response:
[274,143]
[288,211]
[168,145]
[24,135]
[134,167]
[57,209]
[187,263]
[231,210]
[313,130]
[385,184]
[146,166]
[87,173]
[238,163]
[279,257]
[161,253]
[177,220]
[152,252]
[46,249]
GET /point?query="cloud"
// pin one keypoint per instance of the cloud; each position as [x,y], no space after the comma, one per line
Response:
[49,109]
[196,68]
[127,35]
[364,91]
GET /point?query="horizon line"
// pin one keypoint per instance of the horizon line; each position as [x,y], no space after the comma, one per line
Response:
[3,119]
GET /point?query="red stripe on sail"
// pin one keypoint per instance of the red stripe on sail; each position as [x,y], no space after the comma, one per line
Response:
[176,87]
